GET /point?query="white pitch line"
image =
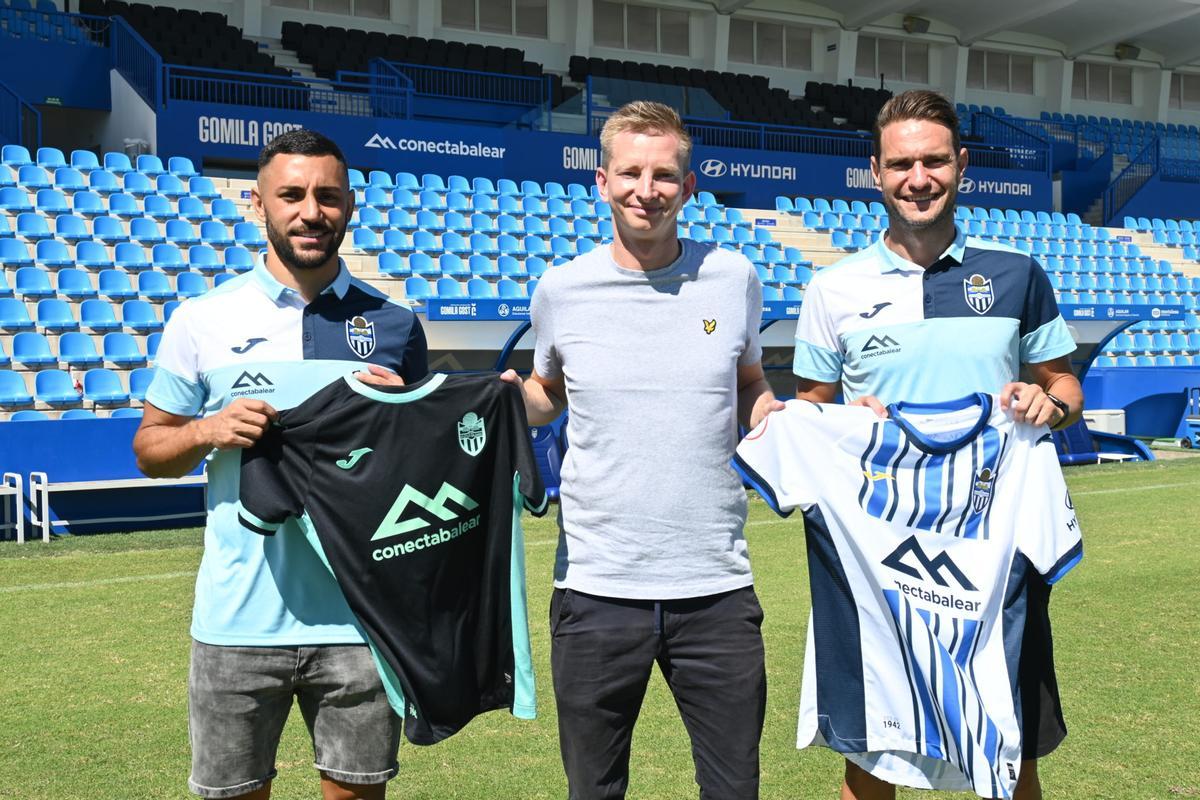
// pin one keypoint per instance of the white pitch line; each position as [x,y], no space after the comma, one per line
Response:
[34,587]
[1130,489]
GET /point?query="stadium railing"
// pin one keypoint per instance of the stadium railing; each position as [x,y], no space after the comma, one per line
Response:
[1141,169]
[12,487]
[40,489]
[20,122]
[137,62]
[385,96]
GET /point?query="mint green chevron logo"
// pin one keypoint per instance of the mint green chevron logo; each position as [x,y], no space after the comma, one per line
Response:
[349,461]
[395,523]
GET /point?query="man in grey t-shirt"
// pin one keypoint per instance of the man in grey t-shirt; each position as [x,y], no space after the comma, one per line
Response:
[652,342]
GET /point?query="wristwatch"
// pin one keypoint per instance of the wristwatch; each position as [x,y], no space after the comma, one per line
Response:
[1060,405]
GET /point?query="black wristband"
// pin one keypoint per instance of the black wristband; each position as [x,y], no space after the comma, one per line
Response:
[1060,405]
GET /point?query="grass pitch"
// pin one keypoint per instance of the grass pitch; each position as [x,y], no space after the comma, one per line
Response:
[94,649]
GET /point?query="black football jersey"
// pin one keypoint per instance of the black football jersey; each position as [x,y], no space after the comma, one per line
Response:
[413,496]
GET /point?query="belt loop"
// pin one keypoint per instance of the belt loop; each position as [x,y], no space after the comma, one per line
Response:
[658,618]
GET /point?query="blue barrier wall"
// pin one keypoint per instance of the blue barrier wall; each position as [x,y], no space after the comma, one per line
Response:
[57,74]
[1081,188]
[750,178]
[1154,398]
[1165,199]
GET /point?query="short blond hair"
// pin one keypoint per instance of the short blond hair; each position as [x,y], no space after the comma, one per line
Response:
[645,116]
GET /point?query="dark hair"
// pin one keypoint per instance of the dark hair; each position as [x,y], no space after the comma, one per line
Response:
[300,142]
[918,104]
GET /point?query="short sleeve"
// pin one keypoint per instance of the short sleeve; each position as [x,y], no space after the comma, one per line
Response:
[528,476]
[176,387]
[1044,333]
[818,354]
[1049,530]
[774,457]
[275,476]
[546,360]
[752,350]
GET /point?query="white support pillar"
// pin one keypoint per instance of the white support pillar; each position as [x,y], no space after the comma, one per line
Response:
[426,15]
[719,59]
[581,23]
[1158,91]
[845,56]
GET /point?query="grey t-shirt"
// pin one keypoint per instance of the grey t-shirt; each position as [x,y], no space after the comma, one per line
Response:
[650,507]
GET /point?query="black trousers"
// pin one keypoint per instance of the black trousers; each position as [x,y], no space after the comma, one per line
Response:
[710,651]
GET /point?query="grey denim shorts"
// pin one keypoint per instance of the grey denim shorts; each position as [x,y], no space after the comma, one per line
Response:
[239,699]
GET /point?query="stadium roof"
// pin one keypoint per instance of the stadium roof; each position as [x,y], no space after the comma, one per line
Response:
[1166,31]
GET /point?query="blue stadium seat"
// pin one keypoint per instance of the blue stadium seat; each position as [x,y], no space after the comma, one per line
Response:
[51,202]
[226,210]
[508,288]
[482,267]
[54,316]
[168,308]
[139,383]
[51,254]
[455,243]
[452,265]
[117,163]
[14,155]
[180,232]
[480,288]
[122,350]
[204,258]
[182,167]
[167,257]
[215,233]
[190,284]
[32,283]
[74,283]
[33,177]
[14,254]
[397,241]
[103,386]
[103,182]
[14,200]
[417,288]
[426,241]
[109,230]
[55,388]
[193,210]
[392,264]
[248,235]
[78,414]
[92,255]
[154,286]
[449,287]
[166,184]
[202,187]
[97,316]
[84,160]
[139,316]
[12,390]
[32,350]
[150,164]
[87,203]
[77,349]
[137,184]
[123,205]
[145,232]
[33,227]
[28,414]
[114,284]
[420,264]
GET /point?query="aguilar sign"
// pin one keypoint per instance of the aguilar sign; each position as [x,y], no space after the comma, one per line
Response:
[748,178]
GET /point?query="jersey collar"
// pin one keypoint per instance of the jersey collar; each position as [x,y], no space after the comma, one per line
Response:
[890,262]
[398,394]
[275,290]
[983,402]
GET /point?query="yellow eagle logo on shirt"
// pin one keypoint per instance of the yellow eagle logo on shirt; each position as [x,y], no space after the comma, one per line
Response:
[710,325]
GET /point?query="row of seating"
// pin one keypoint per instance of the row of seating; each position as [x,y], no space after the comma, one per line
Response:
[70,228]
[75,285]
[96,315]
[74,349]
[127,256]
[57,388]
[53,202]
[1124,283]
[103,181]
[15,156]
[1147,361]
[33,415]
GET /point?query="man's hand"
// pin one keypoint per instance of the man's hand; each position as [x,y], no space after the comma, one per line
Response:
[511,376]
[240,424]
[1028,403]
[870,401]
[379,376]
[764,405]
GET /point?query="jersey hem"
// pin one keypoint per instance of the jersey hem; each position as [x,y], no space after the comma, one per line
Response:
[275,641]
[640,592]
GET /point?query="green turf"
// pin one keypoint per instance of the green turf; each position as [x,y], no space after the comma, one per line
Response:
[93,665]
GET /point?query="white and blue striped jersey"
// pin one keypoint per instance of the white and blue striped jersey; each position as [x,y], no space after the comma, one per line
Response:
[921,532]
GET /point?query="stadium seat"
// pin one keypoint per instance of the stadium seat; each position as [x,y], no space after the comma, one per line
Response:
[139,316]
[14,316]
[168,308]
[202,187]
[480,288]
[109,230]
[53,315]
[78,414]
[12,390]
[392,264]
[139,383]
[448,287]
[32,283]
[226,210]
[181,167]
[98,316]
[87,204]
[103,386]
[77,349]
[114,284]
[167,257]
[452,265]
[84,160]
[181,233]
[192,209]
[28,415]
[247,235]
[52,255]
[55,388]
[14,200]
[139,185]
[204,258]
[92,255]
[145,232]
[417,288]
[51,202]
[508,288]
[103,182]
[33,177]
[32,350]
[74,283]
[192,284]
[122,350]
[154,286]
[421,264]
